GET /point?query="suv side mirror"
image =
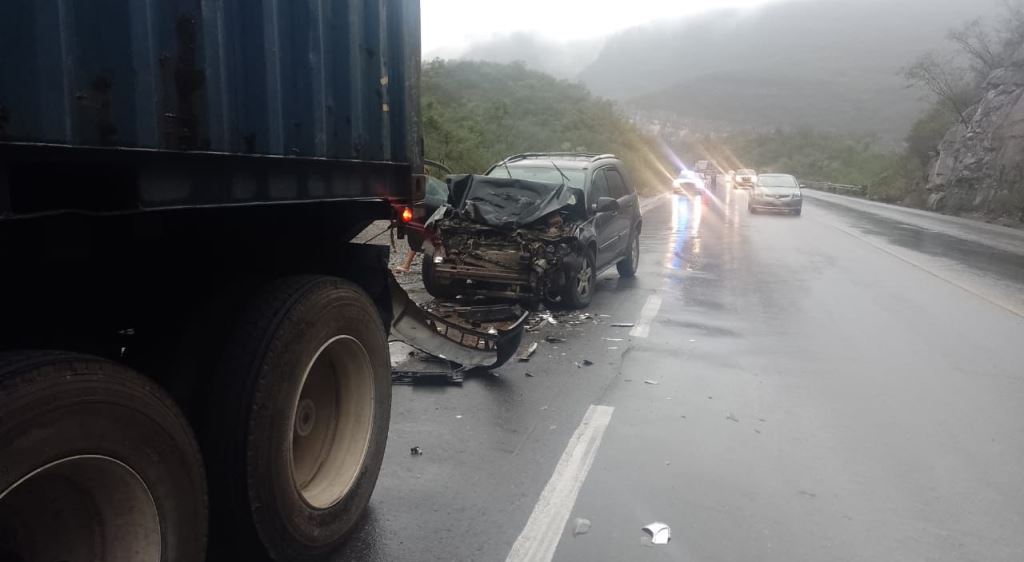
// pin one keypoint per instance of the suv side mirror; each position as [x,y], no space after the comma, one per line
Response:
[606,205]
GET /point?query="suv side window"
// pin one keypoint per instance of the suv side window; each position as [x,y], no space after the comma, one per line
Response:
[616,185]
[598,186]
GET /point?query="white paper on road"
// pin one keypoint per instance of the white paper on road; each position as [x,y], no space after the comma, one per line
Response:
[539,539]
[647,314]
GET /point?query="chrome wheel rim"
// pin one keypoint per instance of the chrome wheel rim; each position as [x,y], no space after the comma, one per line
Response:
[583,280]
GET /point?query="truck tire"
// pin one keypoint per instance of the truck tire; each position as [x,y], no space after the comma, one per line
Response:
[96,464]
[435,287]
[297,421]
[628,265]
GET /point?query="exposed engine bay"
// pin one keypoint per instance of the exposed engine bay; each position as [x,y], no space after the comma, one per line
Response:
[507,238]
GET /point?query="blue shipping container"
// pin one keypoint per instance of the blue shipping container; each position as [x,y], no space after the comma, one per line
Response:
[311,78]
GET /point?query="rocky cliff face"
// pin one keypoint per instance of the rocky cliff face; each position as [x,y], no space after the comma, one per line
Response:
[980,168]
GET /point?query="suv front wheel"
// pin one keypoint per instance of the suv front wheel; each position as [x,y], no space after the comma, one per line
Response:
[579,287]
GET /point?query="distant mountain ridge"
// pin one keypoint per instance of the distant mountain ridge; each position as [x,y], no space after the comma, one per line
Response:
[829,64]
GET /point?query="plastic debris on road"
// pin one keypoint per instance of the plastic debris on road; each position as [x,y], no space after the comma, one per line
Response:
[416,451]
[587,362]
[612,339]
[553,339]
[732,417]
[649,381]
[529,375]
[580,527]
[525,356]
[623,325]
[659,532]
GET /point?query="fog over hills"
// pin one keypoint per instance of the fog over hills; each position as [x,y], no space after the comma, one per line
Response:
[828,64]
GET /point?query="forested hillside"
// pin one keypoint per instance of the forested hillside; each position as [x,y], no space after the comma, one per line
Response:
[476,113]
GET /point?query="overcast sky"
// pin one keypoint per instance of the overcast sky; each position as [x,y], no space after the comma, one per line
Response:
[448,25]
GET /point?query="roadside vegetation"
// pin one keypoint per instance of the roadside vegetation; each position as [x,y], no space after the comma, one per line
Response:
[477,113]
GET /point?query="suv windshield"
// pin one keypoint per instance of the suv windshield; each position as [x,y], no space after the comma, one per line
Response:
[777,181]
[545,173]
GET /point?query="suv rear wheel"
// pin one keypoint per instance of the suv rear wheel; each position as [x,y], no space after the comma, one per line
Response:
[628,265]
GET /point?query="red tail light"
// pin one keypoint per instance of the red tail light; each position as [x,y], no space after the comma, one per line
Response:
[407,214]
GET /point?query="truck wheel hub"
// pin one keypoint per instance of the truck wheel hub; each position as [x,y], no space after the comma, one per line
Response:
[332,420]
[85,508]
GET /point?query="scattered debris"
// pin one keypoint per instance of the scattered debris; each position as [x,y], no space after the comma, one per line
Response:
[649,381]
[458,416]
[580,527]
[612,339]
[525,355]
[668,463]
[613,347]
[623,325]
[529,375]
[659,532]
[452,377]
[808,494]
[732,417]
[543,407]
[587,362]
[691,341]
[553,427]
[416,451]
[761,419]
[553,339]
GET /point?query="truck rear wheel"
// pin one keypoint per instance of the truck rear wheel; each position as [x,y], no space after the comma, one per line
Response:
[96,464]
[298,420]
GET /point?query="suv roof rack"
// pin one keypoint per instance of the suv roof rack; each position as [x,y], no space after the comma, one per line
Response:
[588,156]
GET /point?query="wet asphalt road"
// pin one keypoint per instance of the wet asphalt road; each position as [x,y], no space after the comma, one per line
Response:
[847,385]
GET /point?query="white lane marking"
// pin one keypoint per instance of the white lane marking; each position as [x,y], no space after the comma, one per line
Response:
[647,314]
[539,539]
[993,300]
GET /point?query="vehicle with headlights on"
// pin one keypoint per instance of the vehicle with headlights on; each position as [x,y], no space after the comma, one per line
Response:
[688,183]
[776,192]
[745,179]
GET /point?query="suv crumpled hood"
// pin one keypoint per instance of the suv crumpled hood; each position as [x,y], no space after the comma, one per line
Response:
[509,203]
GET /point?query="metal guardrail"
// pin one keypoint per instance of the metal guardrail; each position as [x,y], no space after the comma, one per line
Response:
[837,188]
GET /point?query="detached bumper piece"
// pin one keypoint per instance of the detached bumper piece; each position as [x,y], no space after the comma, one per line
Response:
[450,339]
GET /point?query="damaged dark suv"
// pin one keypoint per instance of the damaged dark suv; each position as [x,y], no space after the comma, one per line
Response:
[536,228]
